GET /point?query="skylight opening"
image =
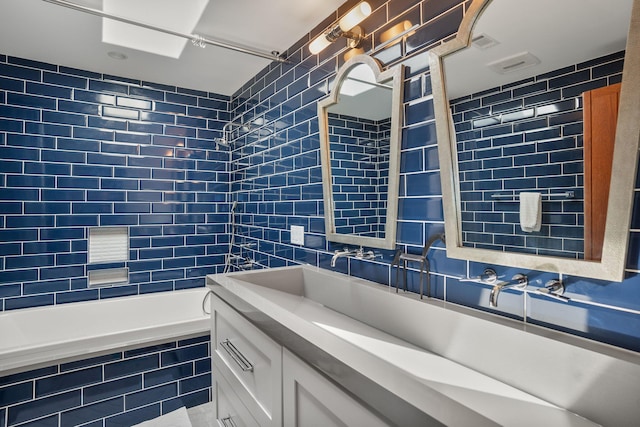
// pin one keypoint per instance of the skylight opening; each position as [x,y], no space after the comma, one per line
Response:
[175,15]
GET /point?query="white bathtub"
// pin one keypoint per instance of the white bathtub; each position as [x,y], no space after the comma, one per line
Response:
[36,337]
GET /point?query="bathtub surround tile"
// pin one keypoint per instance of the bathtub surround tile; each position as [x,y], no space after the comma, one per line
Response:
[68,381]
[127,367]
[15,393]
[165,375]
[83,149]
[72,366]
[195,383]
[187,400]
[183,354]
[42,407]
[87,413]
[28,301]
[133,417]
[156,394]
[77,391]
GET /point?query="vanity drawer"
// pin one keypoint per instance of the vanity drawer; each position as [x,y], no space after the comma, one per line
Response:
[250,361]
[230,412]
[310,399]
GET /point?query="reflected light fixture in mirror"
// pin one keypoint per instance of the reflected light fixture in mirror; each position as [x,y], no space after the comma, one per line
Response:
[397,30]
[345,27]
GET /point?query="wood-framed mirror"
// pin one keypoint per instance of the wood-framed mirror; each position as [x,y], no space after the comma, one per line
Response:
[360,131]
[512,117]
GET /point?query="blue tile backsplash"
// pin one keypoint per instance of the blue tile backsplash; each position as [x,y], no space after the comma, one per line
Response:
[80,149]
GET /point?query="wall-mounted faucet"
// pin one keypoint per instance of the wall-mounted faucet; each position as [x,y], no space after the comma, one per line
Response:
[362,254]
[553,289]
[489,276]
[520,282]
[346,252]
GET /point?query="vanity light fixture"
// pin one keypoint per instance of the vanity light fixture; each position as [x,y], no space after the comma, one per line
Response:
[346,27]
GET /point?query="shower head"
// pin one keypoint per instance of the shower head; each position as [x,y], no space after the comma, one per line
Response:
[219,142]
[233,206]
[227,132]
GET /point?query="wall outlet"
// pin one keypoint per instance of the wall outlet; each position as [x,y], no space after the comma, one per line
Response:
[297,235]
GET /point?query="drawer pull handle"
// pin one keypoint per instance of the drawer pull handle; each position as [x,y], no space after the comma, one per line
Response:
[228,422]
[238,357]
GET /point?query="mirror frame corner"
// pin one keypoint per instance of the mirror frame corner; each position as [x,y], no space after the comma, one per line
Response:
[396,75]
[620,204]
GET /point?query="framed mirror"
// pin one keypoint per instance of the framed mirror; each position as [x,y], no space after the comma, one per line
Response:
[517,98]
[360,130]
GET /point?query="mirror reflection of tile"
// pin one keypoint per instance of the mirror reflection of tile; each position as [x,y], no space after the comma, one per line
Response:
[527,139]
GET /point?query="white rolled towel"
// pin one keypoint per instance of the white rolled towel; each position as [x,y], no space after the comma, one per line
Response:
[530,212]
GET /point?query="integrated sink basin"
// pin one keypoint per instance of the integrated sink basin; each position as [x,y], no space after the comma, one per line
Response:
[454,365]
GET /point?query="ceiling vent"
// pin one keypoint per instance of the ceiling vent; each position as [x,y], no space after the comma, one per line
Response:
[484,42]
[514,63]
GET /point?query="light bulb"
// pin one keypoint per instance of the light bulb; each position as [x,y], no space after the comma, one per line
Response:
[319,44]
[395,31]
[355,16]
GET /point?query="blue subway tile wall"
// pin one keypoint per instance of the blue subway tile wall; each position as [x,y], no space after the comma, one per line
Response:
[121,388]
[135,153]
[277,182]
[527,136]
[360,172]
[81,150]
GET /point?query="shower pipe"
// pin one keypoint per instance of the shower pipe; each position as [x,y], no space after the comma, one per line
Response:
[227,262]
[196,39]
[224,141]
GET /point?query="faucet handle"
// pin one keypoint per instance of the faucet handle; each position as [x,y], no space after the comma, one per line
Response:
[521,280]
[554,289]
[489,276]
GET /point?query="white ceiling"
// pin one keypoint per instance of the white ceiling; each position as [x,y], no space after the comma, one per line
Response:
[41,31]
[559,33]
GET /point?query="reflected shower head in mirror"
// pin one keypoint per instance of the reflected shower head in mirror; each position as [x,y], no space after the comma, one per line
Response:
[219,142]
[225,139]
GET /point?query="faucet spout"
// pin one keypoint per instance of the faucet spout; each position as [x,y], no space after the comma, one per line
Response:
[339,254]
[520,282]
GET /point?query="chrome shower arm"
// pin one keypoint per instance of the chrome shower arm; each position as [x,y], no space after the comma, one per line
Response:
[195,38]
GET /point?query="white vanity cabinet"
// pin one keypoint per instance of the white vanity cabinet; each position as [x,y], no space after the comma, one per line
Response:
[230,412]
[249,361]
[258,382]
[310,400]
